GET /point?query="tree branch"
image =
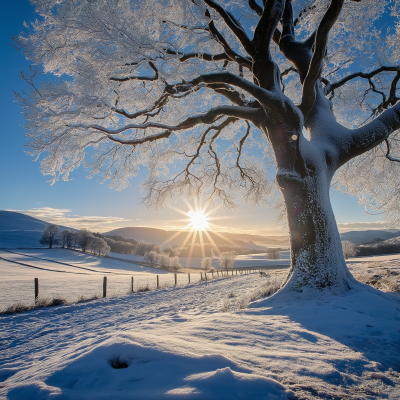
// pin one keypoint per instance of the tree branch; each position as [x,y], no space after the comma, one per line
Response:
[228,50]
[330,87]
[265,97]
[370,135]
[232,24]
[255,7]
[273,10]
[207,118]
[388,156]
[141,78]
[247,63]
[315,68]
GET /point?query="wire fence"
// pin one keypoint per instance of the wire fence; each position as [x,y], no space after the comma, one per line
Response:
[74,288]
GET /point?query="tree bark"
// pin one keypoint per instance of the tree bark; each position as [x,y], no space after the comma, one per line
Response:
[317,260]
[304,172]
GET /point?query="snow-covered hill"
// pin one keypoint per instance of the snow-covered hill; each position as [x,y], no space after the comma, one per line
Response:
[20,230]
[368,236]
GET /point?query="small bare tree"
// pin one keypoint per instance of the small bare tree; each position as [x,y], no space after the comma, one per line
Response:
[75,239]
[206,263]
[226,259]
[151,257]
[349,249]
[69,239]
[273,255]
[50,236]
[64,237]
[84,239]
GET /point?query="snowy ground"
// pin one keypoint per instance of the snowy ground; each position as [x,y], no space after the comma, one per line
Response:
[69,274]
[178,343]
[197,341]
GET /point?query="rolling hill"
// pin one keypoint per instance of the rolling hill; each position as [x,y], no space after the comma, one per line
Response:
[159,236]
[20,230]
[370,236]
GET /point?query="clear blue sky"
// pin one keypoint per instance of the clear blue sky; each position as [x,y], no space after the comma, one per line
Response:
[90,204]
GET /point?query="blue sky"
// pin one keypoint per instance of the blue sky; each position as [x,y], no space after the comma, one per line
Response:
[84,202]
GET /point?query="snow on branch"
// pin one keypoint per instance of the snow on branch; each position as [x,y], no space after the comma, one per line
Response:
[141,78]
[315,68]
[207,118]
[330,87]
[232,23]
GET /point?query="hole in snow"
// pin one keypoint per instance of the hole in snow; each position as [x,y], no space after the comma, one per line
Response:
[116,363]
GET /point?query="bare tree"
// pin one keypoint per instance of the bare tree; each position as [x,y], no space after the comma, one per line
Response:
[226,259]
[75,239]
[163,83]
[273,255]
[206,263]
[69,239]
[50,236]
[65,234]
[84,240]
[349,249]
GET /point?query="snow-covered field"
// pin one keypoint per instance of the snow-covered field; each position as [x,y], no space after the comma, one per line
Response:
[193,342]
[179,343]
[70,274]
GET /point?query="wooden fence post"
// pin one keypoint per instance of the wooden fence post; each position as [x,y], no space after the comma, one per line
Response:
[201,277]
[132,283]
[232,272]
[105,286]
[212,275]
[158,282]
[205,276]
[176,279]
[36,289]
[189,278]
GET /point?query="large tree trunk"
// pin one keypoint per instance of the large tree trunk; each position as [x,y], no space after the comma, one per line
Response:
[304,172]
[317,259]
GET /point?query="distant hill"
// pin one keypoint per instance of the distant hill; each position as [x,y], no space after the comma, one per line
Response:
[20,230]
[370,236]
[159,236]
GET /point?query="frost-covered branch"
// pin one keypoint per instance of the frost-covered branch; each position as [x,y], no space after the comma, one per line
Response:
[233,55]
[207,118]
[230,55]
[232,23]
[265,97]
[315,68]
[370,135]
[140,78]
[388,156]
[330,87]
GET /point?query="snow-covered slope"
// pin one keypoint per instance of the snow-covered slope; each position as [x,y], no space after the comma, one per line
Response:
[20,230]
[178,343]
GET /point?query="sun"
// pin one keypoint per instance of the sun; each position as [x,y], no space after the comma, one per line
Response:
[198,220]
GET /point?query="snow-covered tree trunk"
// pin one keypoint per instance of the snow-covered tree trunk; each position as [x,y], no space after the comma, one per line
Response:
[317,259]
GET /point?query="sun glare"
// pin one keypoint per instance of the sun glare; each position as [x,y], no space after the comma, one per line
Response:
[198,220]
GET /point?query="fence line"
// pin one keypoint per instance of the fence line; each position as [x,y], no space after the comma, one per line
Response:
[204,277]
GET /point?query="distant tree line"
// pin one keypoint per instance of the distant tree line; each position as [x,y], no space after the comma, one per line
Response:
[351,250]
[379,248]
[52,235]
[164,260]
